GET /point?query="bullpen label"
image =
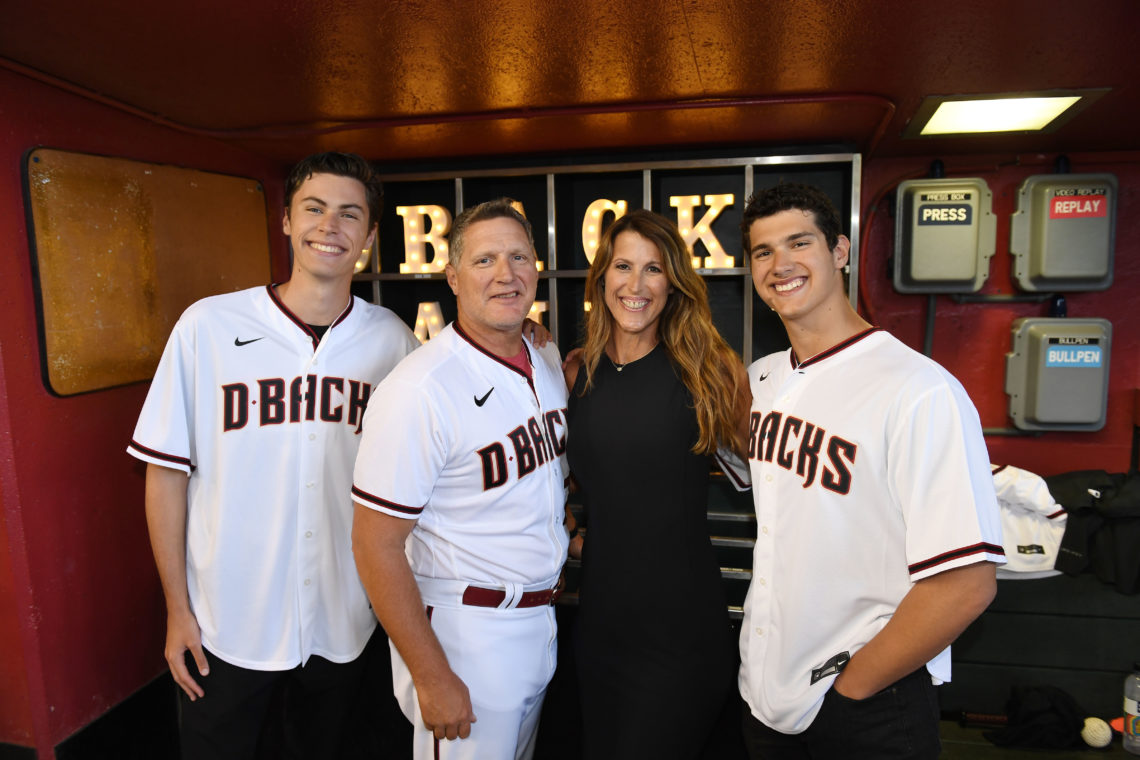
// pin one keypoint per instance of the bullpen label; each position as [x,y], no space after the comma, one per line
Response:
[1074,352]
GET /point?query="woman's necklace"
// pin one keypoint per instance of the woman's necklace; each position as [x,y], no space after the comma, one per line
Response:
[623,365]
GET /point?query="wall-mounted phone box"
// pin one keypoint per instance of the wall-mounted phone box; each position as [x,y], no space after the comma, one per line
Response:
[1057,373]
[1063,232]
[944,235]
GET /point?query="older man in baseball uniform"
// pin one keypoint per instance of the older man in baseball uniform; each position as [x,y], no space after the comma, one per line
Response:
[460,488]
[250,429]
[877,526]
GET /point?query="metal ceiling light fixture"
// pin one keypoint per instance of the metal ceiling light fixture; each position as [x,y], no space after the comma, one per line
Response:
[1024,112]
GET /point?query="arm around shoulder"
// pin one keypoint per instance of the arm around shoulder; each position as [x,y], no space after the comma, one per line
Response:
[571,365]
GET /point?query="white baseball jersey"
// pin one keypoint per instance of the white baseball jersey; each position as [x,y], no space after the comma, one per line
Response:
[465,443]
[1032,524]
[869,472]
[266,420]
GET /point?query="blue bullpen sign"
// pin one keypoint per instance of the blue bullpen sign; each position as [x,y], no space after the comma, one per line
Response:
[1073,352]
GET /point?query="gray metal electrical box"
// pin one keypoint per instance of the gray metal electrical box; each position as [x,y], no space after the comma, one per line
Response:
[944,235]
[1063,232]
[1057,374]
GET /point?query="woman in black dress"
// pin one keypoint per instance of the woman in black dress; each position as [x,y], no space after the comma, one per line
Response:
[654,393]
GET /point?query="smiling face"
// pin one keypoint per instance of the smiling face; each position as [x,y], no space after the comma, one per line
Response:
[792,268]
[327,223]
[494,282]
[636,285]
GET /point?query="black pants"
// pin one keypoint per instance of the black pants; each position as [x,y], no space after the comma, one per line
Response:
[901,721]
[229,721]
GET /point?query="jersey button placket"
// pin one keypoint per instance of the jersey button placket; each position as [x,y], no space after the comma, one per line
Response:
[308,516]
[554,479]
[762,568]
[793,388]
[309,474]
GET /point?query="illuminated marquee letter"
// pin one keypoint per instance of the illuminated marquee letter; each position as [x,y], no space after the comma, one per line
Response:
[518,206]
[702,230]
[423,226]
[428,321]
[536,310]
[592,223]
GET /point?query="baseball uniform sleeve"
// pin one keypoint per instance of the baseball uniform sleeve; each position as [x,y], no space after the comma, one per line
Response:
[549,353]
[411,342]
[403,449]
[164,433]
[734,468]
[940,476]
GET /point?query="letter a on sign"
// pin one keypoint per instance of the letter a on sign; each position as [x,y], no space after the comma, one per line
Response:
[424,226]
[429,320]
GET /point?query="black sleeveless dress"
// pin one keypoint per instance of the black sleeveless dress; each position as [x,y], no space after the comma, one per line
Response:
[656,653]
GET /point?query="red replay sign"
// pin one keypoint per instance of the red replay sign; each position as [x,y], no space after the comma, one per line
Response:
[1077,206]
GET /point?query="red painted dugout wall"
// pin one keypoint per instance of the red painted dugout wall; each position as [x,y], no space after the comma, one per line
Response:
[81,614]
[971,340]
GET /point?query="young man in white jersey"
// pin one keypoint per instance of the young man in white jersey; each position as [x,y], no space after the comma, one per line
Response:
[462,462]
[877,526]
[249,430]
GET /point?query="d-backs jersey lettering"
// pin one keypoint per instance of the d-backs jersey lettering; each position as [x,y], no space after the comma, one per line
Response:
[869,473]
[465,443]
[265,419]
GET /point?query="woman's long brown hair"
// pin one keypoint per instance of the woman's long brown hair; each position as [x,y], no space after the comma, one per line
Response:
[705,362]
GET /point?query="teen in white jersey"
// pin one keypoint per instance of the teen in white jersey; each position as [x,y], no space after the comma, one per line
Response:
[877,525]
[462,464]
[250,429]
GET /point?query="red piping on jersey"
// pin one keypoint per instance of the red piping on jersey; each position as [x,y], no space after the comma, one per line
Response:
[344,314]
[365,496]
[159,455]
[499,359]
[967,551]
[496,357]
[797,364]
[300,322]
[999,469]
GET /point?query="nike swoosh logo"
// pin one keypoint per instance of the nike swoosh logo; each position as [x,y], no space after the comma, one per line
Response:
[240,342]
[763,377]
[481,401]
